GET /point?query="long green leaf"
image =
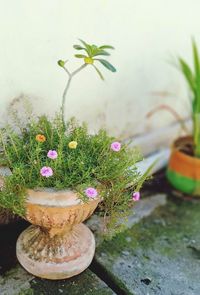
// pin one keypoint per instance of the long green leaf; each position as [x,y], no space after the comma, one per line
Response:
[106,64]
[101,52]
[80,55]
[98,72]
[197,74]
[106,47]
[196,119]
[194,106]
[196,58]
[187,74]
[87,47]
[94,49]
[83,42]
[78,47]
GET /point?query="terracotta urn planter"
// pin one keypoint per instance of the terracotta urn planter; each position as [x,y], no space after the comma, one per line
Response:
[183,170]
[57,245]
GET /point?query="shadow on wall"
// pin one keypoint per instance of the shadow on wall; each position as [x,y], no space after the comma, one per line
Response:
[23,108]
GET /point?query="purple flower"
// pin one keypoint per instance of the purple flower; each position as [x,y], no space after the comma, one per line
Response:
[136,196]
[52,154]
[46,171]
[115,146]
[91,192]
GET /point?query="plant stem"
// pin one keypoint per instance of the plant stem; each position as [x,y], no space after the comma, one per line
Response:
[64,99]
[70,76]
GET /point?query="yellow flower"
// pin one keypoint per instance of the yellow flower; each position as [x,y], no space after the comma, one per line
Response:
[72,144]
[40,138]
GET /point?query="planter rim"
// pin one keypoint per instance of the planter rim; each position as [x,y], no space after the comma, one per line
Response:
[182,155]
[50,197]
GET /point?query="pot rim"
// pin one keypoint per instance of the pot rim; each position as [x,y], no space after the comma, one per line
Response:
[175,148]
[49,197]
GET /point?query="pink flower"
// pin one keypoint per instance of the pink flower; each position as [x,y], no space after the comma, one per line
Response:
[46,171]
[116,146]
[136,196]
[52,154]
[91,192]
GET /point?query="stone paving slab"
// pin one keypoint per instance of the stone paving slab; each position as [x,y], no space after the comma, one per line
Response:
[19,282]
[14,281]
[158,256]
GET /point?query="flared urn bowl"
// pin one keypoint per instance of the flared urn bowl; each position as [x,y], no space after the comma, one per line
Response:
[57,245]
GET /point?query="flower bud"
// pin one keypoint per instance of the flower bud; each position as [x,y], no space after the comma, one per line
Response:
[61,63]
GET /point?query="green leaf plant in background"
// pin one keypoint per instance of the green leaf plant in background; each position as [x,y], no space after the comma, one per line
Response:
[92,55]
[192,76]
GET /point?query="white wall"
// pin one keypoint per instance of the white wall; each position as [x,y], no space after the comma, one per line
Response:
[34,34]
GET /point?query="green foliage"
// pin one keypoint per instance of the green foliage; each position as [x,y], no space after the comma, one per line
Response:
[27,292]
[192,76]
[91,52]
[91,164]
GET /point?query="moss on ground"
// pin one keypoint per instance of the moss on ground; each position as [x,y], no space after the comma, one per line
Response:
[160,254]
[87,283]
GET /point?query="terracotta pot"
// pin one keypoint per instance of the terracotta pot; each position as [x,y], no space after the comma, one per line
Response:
[57,245]
[184,170]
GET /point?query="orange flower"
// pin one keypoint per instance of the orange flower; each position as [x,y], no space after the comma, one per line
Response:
[40,138]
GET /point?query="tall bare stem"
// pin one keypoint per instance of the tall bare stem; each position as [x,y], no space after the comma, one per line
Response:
[70,76]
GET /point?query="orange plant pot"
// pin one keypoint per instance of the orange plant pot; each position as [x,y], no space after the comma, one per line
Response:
[183,170]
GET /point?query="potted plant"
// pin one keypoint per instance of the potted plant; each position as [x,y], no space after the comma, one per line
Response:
[183,170]
[60,173]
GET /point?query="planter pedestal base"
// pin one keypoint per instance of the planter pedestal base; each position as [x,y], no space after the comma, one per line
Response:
[56,253]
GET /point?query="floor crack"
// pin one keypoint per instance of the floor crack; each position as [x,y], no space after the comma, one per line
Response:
[105,276]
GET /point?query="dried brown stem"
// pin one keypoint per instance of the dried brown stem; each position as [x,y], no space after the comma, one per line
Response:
[173,112]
